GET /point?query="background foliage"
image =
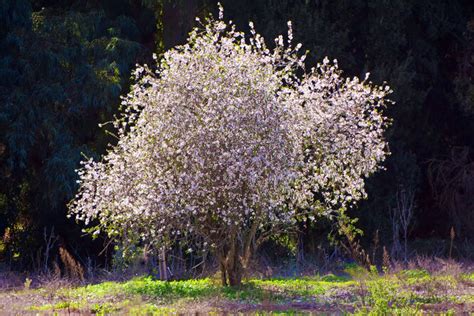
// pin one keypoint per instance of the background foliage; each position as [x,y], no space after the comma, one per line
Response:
[64,64]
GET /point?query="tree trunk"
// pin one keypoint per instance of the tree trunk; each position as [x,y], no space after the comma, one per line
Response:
[162,265]
[234,257]
[223,272]
[233,263]
[235,276]
[231,271]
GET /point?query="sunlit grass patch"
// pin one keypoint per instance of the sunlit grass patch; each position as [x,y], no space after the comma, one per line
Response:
[253,290]
[106,308]
[413,276]
[65,305]
[172,289]
[302,286]
[85,307]
[468,277]
[93,290]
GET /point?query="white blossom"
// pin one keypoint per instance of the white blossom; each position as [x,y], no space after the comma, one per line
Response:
[225,135]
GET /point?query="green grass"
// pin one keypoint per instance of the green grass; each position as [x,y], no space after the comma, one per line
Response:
[305,287]
[469,277]
[408,292]
[254,290]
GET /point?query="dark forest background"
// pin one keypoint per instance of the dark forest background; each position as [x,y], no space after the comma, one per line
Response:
[64,65]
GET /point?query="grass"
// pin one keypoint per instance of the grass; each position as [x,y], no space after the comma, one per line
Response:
[355,291]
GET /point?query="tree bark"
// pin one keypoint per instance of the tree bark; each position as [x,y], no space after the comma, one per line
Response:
[235,257]
[223,272]
[162,265]
[234,267]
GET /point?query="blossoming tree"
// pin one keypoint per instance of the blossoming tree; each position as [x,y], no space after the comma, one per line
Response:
[230,141]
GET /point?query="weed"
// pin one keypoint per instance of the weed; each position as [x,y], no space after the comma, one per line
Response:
[27,283]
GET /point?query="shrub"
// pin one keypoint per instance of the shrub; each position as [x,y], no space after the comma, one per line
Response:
[225,143]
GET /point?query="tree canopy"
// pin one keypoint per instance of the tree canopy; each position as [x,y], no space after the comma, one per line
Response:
[225,143]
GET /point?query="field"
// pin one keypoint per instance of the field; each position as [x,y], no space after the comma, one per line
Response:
[352,291]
